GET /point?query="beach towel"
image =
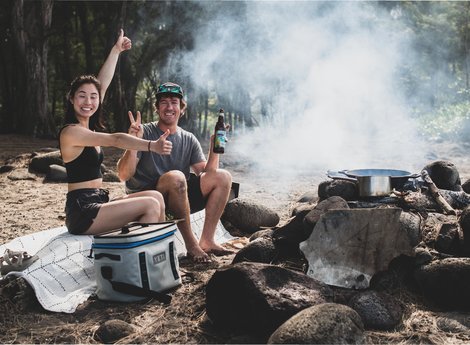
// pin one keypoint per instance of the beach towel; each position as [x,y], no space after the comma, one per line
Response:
[64,277]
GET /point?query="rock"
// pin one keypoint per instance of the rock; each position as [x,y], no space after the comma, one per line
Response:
[446,282]
[464,221]
[21,174]
[113,330]
[299,228]
[259,250]
[422,256]
[249,217]
[57,173]
[46,149]
[309,197]
[327,323]
[448,239]
[347,247]
[397,276]
[466,186]
[262,233]
[41,163]
[333,202]
[410,223]
[444,175]
[302,208]
[345,189]
[293,232]
[377,310]
[454,323]
[244,339]
[431,225]
[18,290]
[6,168]
[258,298]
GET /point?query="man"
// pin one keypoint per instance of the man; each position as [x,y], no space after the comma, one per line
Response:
[184,193]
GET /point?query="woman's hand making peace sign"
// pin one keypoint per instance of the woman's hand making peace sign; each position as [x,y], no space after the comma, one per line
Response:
[135,128]
[161,146]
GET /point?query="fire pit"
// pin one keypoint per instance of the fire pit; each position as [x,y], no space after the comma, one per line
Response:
[375,182]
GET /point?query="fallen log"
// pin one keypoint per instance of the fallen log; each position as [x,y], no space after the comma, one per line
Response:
[440,200]
[423,201]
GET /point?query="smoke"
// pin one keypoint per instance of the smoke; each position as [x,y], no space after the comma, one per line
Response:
[328,74]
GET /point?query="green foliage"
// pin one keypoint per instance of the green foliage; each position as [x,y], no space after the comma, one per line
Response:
[435,77]
[447,122]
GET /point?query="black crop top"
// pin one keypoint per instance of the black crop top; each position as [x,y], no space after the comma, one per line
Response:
[85,167]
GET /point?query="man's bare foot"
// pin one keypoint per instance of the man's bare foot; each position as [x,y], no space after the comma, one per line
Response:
[197,255]
[217,250]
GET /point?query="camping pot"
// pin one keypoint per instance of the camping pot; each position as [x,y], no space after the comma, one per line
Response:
[374,185]
[374,182]
[397,177]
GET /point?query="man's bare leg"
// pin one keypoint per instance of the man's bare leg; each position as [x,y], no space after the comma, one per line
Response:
[215,186]
[174,188]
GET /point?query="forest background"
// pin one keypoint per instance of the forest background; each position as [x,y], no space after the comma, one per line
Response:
[227,54]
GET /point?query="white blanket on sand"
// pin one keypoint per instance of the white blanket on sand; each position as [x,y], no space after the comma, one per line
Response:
[64,275]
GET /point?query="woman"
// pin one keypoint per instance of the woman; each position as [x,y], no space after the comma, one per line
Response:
[88,208]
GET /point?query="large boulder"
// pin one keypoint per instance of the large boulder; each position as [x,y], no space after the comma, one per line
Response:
[466,186]
[327,323]
[258,298]
[332,203]
[113,330]
[308,197]
[377,310]
[41,162]
[446,282]
[300,227]
[448,239]
[293,232]
[260,250]
[444,175]
[20,174]
[56,173]
[410,223]
[346,189]
[247,216]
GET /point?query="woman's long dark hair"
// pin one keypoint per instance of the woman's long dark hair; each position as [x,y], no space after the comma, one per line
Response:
[95,120]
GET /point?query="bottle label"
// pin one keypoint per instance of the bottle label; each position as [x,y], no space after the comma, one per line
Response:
[220,139]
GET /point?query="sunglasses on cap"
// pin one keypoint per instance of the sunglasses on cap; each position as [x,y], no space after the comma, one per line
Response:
[170,88]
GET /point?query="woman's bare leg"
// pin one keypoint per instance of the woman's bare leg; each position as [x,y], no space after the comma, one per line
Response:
[117,213]
[154,194]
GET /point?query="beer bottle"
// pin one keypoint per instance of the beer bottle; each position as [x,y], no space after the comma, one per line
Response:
[219,134]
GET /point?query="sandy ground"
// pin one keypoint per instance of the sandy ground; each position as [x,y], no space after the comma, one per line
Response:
[27,206]
[31,205]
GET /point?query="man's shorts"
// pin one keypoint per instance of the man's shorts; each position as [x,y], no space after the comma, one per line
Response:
[81,208]
[197,201]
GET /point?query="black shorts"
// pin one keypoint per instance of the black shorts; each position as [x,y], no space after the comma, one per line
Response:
[81,208]
[197,202]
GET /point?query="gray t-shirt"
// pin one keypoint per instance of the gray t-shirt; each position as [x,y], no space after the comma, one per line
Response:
[186,151]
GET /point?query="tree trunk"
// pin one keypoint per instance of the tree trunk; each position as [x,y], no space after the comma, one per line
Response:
[83,16]
[206,113]
[31,20]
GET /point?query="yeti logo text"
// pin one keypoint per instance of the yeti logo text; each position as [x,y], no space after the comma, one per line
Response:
[159,258]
